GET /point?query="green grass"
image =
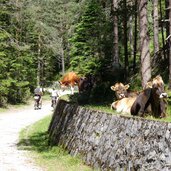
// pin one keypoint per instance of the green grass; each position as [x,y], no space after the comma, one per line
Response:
[46,96]
[35,139]
[4,109]
[103,108]
[106,107]
[16,106]
[8,107]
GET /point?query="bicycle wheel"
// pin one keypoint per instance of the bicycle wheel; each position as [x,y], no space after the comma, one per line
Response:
[35,105]
[40,105]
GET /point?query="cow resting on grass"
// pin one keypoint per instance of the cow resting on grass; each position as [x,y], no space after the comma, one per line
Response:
[123,105]
[125,98]
[121,91]
[154,96]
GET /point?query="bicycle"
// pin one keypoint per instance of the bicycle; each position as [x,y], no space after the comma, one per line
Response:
[54,100]
[37,102]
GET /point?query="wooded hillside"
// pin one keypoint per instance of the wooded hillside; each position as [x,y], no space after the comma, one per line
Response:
[116,40]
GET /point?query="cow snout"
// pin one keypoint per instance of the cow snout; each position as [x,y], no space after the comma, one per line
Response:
[163,95]
[121,96]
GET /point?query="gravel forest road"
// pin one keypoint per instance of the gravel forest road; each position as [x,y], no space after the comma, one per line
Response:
[11,123]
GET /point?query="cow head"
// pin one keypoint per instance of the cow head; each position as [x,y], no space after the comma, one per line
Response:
[83,84]
[158,97]
[86,83]
[63,86]
[154,96]
[120,90]
[159,103]
[158,87]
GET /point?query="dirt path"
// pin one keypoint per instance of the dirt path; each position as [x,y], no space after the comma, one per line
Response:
[11,122]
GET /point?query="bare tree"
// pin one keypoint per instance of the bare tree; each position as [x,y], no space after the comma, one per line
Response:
[144,43]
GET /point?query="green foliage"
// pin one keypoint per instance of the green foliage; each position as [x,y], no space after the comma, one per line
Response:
[15,58]
[88,41]
[79,32]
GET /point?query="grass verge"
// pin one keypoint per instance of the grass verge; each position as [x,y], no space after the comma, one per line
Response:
[35,140]
[23,105]
[14,107]
[106,107]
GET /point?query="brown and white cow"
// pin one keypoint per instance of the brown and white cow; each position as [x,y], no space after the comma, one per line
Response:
[69,80]
[123,105]
[125,98]
[121,91]
[154,97]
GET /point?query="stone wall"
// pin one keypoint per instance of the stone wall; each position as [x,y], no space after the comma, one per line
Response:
[112,142]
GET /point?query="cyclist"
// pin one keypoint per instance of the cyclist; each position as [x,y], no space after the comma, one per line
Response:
[54,96]
[38,96]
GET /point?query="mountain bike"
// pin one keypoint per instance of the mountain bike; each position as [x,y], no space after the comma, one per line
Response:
[54,100]
[37,102]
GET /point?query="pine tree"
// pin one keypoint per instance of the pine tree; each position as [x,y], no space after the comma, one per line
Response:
[87,43]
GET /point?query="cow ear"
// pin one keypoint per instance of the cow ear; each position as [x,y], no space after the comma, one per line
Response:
[148,85]
[126,86]
[113,88]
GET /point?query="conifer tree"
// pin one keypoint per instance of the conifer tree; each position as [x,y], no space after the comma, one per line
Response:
[87,43]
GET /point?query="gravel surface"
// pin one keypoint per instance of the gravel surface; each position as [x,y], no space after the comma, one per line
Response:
[11,122]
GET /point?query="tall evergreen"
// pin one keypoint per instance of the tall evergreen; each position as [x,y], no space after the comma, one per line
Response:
[14,55]
[4,38]
[87,43]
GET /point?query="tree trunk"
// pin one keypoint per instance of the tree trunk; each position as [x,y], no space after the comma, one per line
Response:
[167,27]
[125,39]
[169,40]
[155,26]
[144,43]
[38,62]
[115,34]
[135,36]
[62,28]
[62,57]
[131,36]
[63,61]
[162,30]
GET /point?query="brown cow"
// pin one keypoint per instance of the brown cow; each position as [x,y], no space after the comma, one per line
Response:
[154,96]
[121,91]
[86,83]
[69,80]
